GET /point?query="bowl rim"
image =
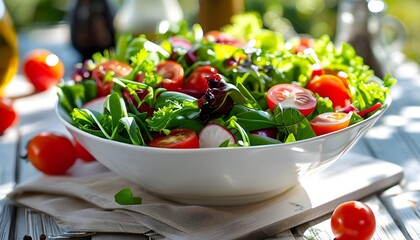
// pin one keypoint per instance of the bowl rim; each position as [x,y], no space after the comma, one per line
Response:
[59,111]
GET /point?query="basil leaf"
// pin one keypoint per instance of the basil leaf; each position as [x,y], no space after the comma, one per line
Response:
[291,121]
[125,197]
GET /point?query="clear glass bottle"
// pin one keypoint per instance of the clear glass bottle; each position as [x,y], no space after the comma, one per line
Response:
[147,17]
[353,27]
[9,59]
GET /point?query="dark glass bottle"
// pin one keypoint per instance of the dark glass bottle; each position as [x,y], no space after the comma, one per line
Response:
[91,27]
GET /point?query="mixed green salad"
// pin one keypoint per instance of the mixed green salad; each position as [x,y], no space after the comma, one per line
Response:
[241,86]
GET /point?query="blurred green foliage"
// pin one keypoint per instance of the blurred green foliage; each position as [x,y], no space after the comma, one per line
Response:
[290,17]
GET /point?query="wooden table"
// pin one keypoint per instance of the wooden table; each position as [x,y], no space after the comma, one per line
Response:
[395,138]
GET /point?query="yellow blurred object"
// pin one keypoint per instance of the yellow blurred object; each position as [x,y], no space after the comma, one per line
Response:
[9,59]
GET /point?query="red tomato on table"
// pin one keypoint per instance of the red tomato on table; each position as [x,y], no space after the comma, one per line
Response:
[178,138]
[353,220]
[197,79]
[43,69]
[289,95]
[82,153]
[333,87]
[330,122]
[119,70]
[172,73]
[8,116]
[51,153]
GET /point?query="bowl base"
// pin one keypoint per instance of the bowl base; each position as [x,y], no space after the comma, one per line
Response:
[224,201]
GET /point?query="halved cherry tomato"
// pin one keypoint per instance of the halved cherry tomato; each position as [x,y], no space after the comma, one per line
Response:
[353,220]
[223,38]
[51,153]
[197,79]
[330,122]
[43,69]
[172,74]
[119,70]
[82,153]
[8,116]
[289,95]
[333,87]
[178,138]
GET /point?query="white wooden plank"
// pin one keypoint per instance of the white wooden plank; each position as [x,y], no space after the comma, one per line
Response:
[8,147]
[6,216]
[405,209]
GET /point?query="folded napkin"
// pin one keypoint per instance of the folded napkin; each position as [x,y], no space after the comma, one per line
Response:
[84,201]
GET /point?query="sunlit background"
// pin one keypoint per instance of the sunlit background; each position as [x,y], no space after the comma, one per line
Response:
[314,17]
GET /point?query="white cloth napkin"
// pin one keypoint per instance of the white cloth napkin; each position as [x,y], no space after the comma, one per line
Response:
[85,201]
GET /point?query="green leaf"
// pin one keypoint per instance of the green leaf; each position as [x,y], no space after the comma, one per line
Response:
[242,135]
[126,197]
[168,96]
[116,107]
[251,119]
[256,139]
[173,114]
[290,138]
[291,121]
[133,130]
[81,114]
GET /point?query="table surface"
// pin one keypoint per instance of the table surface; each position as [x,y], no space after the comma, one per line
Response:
[394,138]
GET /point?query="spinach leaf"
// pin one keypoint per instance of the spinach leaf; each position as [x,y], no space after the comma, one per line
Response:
[291,121]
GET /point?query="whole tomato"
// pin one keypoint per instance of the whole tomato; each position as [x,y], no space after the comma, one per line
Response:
[8,117]
[82,153]
[51,153]
[353,220]
[172,74]
[197,79]
[116,68]
[43,69]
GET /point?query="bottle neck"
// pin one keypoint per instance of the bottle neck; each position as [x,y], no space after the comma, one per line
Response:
[2,10]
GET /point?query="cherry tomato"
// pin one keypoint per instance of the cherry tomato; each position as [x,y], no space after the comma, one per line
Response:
[289,95]
[178,138]
[303,44]
[82,153]
[51,153]
[197,79]
[340,74]
[333,87]
[43,69]
[119,70]
[330,122]
[8,115]
[223,38]
[172,74]
[317,70]
[353,220]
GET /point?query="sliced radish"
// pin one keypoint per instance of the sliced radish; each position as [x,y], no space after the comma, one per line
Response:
[212,135]
[375,107]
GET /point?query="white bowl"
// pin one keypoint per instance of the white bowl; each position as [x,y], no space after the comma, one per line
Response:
[221,176]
